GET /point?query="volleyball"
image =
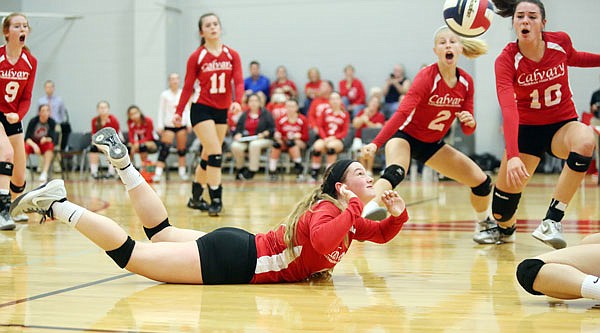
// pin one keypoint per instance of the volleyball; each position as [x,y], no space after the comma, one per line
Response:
[468,18]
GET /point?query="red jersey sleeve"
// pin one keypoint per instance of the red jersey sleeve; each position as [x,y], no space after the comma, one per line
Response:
[328,226]
[115,122]
[191,73]
[342,134]
[238,77]
[131,133]
[382,231]
[149,130]
[468,106]
[419,89]
[25,101]
[505,75]
[361,97]
[577,58]
[305,134]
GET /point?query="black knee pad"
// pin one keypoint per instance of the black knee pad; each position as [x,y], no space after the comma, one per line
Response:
[203,164]
[163,153]
[331,151]
[527,271]
[394,174]
[484,188]
[316,153]
[143,148]
[181,152]
[6,168]
[215,160]
[150,232]
[578,163]
[504,205]
[290,143]
[17,189]
[276,145]
[122,254]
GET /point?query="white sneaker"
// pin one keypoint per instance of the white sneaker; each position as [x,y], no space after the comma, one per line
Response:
[109,143]
[493,235]
[373,211]
[484,225]
[43,177]
[184,176]
[40,200]
[6,223]
[156,178]
[550,232]
[20,218]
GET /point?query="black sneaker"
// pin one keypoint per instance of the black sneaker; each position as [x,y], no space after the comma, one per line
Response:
[201,204]
[215,207]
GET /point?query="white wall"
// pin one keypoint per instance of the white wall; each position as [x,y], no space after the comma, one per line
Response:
[122,50]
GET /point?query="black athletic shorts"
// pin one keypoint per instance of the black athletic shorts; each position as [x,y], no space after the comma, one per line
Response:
[537,139]
[227,256]
[174,129]
[201,112]
[10,129]
[419,150]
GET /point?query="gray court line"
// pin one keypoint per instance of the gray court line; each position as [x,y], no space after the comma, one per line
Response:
[421,201]
[75,329]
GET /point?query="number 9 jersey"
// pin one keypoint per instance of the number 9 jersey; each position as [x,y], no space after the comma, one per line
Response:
[215,75]
[16,82]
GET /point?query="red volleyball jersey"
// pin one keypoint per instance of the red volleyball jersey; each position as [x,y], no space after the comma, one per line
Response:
[312,88]
[315,111]
[215,75]
[320,241]
[537,93]
[16,82]
[334,124]
[288,129]
[112,122]
[428,109]
[277,110]
[140,133]
[356,92]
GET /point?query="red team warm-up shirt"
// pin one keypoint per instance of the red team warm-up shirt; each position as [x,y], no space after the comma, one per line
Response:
[428,109]
[334,124]
[356,92]
[537,93]
[16,82]
[140,133]
[315,110]
[112,122]
[215,74]
[288,130]
[319,244]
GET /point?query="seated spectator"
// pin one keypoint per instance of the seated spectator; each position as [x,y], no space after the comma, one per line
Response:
[141,134]
[253,133]
[291,135]
[257,82]
[39,138]
[311,88]
[396,86]
[277,104]
[333,128]
[352,92]
[104,119]
[369,117]
[319,104]
[286,85]
[377,92]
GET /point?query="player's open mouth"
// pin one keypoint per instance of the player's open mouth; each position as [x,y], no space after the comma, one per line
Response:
[22,38]
[449,55]
[525,31]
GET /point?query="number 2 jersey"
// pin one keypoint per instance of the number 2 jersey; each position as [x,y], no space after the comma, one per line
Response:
[215,74]
[428,109]
[537,93]
[16,82]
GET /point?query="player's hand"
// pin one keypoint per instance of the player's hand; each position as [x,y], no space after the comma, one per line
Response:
[177,120]
[235,108]
[369,150]
[466,118]
[393,202]
[36,149]
[12,117]
[516,172]
[345,193]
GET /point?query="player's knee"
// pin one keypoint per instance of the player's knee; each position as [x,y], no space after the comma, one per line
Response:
[150,232]
[7,154]
[143,148]
[181,152]
[290,143]
[331,151]
[527,271]
[16,188]
[214,160]
[6,168]
[483,189]
[276,145]
[163,153]
[316,153]
[394,174]
[504,205]
[578,163]
[203,164]
[122,254]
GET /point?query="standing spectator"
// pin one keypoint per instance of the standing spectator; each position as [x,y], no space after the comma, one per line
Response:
[369,117]
[319,104]
[39,138]
[18,67]
[141,134]
[311,88]
[288,86]
[58,111]
[396,86]
[253,133]
[257,82]
[168,131]
[103,119]
[352,92]
[291,135]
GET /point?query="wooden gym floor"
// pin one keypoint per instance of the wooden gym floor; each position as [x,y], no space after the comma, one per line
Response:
[430,278]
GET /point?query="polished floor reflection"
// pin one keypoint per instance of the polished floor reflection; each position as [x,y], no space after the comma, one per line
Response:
[430,278]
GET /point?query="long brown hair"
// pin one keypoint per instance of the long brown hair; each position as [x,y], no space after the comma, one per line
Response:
[6,24]
[202,40]
[506,8]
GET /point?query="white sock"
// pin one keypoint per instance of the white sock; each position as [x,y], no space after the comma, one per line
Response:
[94,169]
[158,171]
[481,216]
[272,164]
[370,206]
[67,212]
[130,177]
[298,160]
[181,170]
[4,191]
[590,288]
